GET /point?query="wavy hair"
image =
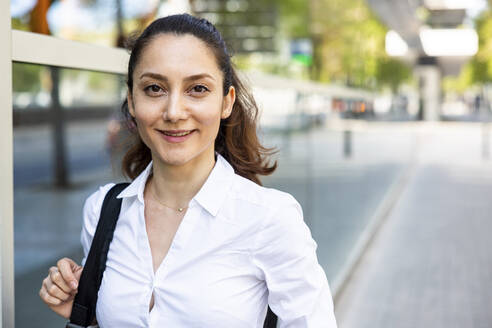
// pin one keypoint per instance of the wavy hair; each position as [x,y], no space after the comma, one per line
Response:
[237,140]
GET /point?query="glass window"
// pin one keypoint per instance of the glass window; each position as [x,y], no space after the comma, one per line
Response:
[61,155]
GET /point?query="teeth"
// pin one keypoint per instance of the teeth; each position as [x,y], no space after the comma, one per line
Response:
[177,134]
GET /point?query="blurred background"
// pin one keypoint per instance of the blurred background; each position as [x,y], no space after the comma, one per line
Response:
[380,111]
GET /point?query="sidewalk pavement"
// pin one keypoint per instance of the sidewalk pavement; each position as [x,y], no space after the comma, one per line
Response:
[430,264]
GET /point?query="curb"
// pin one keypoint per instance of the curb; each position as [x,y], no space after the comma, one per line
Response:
[381,214]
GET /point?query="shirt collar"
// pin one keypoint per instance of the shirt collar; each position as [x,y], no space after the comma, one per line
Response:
[136,188]
[212,194]
[215,190]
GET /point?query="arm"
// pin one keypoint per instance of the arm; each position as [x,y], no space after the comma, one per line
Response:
[286,255]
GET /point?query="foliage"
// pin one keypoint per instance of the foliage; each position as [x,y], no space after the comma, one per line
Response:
[479,69]
[26,77]
[350,46]
[19,24]
[294,16]
[459,83]
[392,72]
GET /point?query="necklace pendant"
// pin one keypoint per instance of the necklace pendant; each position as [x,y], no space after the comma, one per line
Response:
[180,209]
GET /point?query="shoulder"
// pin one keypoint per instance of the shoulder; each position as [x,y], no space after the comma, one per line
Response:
[97,197]
[254,194]
[269,205]
[273,219]
[93,204]
[277,224]
[91,213]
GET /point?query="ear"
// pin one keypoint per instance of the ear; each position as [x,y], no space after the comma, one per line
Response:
[131,107]
[228,103]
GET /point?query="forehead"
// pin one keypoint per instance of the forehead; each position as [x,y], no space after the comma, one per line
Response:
[178,54]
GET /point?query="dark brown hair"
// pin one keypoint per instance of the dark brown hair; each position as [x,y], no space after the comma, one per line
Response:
[236,140]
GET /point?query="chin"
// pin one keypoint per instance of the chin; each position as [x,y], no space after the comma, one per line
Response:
[178,157]
[175,160]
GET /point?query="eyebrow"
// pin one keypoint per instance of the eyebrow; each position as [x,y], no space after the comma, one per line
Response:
[160,77]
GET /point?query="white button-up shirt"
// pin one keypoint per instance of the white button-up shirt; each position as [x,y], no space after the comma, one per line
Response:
[239,247]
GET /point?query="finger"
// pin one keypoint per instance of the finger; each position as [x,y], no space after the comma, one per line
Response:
[78,272]
[47,298]
[56,277]
[55,291]
[67,267]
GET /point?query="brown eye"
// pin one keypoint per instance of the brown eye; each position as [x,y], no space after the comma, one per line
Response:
[199,89]
[153,90]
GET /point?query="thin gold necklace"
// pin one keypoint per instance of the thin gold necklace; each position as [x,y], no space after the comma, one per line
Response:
[180,209]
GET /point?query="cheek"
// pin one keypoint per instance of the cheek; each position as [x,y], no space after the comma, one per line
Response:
[142,128]
[209,114]
[143,125]
[209,123]
[147,112]
[145,119]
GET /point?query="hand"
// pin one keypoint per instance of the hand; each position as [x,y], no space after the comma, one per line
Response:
[60,286]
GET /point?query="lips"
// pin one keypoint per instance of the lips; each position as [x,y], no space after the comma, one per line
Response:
[174,136]
[177,133]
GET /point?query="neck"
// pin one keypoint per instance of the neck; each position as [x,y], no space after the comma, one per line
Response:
[178,184]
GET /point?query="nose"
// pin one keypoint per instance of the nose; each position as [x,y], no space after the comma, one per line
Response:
[175,108]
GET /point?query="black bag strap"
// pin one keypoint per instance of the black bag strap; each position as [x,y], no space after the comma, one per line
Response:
[84,305]
[270,320]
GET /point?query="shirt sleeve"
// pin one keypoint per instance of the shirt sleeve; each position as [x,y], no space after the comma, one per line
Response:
[91,213]
[285,252]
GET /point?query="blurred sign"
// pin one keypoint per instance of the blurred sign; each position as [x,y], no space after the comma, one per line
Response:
[301,51]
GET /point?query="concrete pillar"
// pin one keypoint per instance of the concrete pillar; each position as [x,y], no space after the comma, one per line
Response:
[6,172]
[429,75]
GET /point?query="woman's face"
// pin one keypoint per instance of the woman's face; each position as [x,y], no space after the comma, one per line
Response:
[177,99]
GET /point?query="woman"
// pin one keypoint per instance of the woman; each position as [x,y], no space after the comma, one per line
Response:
[199,243]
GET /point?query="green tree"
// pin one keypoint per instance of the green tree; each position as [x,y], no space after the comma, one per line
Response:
[479,68]
[391,73]
[349,46]
[26,77]
[294,17]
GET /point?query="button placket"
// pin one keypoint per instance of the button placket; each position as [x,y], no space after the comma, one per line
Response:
[179,242]
[144,244]
[146,255]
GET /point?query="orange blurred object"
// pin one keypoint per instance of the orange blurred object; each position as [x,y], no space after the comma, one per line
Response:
[38,22]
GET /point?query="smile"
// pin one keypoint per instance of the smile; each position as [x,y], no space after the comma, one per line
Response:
[176,134]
